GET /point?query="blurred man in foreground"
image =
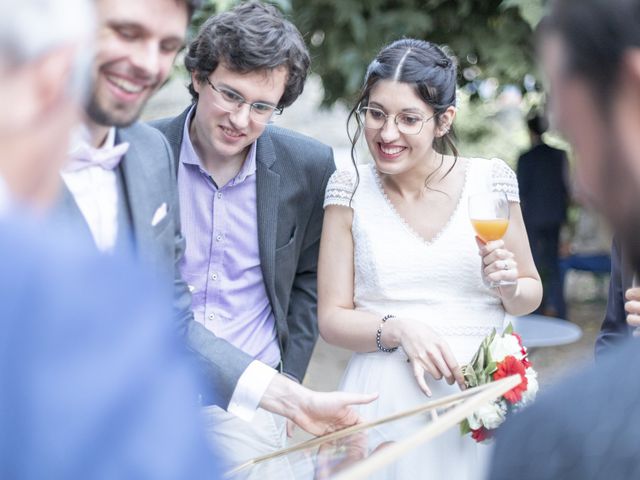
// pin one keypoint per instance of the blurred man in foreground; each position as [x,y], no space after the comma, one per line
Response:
[588,427]
[93,384]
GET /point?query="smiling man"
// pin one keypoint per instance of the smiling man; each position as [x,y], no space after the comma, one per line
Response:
[251,201]
[121,190]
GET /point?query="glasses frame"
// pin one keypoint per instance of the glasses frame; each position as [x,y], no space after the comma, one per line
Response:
[362,111]
[241,101]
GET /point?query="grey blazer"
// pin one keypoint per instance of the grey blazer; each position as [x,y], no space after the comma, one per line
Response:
[149,182]
[292,172]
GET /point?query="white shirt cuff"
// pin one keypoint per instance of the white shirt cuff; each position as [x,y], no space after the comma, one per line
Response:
[249,390]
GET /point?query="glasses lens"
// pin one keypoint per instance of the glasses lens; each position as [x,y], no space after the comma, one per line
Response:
[372,117]
[409,124]
[229,98]
[262,112]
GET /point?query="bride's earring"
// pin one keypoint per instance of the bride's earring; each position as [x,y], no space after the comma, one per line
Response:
[444,130]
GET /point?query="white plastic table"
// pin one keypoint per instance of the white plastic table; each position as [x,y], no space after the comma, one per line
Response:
[542,331]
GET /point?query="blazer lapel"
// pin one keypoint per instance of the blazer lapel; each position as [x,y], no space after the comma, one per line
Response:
[134,172]
[68,213]
[267,187]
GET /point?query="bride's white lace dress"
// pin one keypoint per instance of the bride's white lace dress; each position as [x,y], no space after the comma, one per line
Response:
[437,282]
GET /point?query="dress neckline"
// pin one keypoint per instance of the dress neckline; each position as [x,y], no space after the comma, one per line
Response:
[401,219]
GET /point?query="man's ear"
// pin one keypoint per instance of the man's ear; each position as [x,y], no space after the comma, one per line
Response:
[195,82]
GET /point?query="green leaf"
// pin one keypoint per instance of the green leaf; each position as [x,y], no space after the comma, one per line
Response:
[464,427]
[508,330]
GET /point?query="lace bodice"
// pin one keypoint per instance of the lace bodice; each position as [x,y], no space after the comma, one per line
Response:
[398,272]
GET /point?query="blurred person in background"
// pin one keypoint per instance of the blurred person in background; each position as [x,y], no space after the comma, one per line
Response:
[587,428]
[543,180]
[93,383]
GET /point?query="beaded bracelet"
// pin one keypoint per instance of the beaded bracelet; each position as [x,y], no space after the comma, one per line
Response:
[381,347]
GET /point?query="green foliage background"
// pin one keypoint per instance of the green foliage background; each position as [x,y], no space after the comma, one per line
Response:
[491,39]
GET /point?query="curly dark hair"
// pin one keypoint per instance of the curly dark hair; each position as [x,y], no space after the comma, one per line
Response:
[252,36]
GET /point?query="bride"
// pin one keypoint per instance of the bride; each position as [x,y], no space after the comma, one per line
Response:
[403,280]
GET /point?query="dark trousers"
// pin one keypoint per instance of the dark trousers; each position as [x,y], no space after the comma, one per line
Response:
[544,247]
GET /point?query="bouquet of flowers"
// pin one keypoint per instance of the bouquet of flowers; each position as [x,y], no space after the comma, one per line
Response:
[499,356]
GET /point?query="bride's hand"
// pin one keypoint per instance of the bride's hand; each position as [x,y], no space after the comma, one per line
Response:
[499,264]
[429,353]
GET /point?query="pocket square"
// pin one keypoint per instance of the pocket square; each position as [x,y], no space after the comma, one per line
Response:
[161,212]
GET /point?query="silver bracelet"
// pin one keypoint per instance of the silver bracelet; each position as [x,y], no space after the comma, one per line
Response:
[381,347]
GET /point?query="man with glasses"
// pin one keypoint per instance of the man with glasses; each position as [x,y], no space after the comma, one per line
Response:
[251,210]
[120,189]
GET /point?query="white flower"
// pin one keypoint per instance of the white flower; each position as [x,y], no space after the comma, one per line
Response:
[504,346]
[490,415]
[532,387]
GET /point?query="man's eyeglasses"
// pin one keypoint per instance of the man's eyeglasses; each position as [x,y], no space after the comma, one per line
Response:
[230,101]
[407,123]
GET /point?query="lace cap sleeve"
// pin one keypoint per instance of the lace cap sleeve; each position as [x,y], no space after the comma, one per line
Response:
[339,189]
[504,180]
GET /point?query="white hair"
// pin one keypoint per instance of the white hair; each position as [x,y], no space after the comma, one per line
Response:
[32,28]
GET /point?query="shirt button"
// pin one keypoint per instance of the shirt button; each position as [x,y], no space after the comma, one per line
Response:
[218,238]
[212,316]
[214,276]
[219,195]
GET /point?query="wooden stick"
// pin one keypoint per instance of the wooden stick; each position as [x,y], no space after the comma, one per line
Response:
[432,405]
[449,419]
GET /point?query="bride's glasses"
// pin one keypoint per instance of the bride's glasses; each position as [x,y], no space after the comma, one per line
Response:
[489,214]
[407,123]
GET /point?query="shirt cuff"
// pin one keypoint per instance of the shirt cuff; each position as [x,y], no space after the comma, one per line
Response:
[249,390]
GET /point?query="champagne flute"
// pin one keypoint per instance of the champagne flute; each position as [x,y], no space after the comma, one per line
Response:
[489,215]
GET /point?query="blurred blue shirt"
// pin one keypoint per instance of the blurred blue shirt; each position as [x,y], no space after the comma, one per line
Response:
[93,384]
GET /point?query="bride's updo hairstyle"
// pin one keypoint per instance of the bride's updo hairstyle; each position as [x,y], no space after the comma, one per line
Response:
[431,72]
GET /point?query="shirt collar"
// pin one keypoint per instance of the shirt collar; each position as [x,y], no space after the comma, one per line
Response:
[189,156]
[83,154]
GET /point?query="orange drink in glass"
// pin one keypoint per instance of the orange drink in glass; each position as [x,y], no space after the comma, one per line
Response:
[489,215]
[489,230]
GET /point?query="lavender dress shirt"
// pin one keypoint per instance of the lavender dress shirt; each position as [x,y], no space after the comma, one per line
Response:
[221,264]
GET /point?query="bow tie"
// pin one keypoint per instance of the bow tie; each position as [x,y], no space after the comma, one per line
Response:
[85,156]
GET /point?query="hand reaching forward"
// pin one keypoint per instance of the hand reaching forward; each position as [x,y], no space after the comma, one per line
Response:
[427,352]
[318,413]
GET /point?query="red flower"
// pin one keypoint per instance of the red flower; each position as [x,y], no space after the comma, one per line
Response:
[481,434]
[518,337]
[512,366]
[523,350]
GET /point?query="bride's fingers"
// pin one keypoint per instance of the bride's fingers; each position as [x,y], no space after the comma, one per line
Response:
[441,365]
[500,266]
[429,366]
[486,248]
[418,372]
[497,255]
[452,363]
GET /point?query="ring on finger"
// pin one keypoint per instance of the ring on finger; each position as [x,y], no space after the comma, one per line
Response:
[505,265]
